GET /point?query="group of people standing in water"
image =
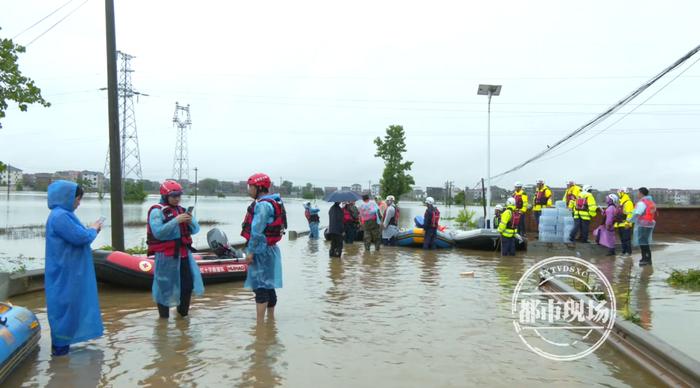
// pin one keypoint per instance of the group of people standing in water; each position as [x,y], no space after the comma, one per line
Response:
[71,289]
[631,221]
[377,220]
[70,284]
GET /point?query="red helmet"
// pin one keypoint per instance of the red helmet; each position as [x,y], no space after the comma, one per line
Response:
[170,187]
[260,180]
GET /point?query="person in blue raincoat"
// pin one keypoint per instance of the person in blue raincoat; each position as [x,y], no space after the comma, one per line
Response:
[72,305]
[311,214]
[263,227]
[169,237]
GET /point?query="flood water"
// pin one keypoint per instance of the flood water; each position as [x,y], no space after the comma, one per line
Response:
[400,317]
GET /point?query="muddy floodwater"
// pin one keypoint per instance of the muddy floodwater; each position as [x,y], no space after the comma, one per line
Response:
[401,317]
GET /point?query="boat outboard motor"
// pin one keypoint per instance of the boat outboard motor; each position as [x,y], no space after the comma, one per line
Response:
[218,242]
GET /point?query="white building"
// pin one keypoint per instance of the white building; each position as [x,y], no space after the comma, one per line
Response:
[680,198]
[356,188]
[376,188]
[12,173]
[95,178]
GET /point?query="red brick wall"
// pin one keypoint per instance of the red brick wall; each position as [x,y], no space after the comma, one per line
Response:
[677,220]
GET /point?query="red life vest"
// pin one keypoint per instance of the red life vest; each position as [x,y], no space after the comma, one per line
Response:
[582,203]
[435,221]
[395,219]
[311,217]
[518,200]
[168,247]
[273,231]
[347,216]
[540,198]
[514,220]
[650,212]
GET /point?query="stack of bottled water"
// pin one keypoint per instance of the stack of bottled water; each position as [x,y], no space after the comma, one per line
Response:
[556,223]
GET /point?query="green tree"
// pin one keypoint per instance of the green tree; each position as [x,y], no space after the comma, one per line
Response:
[133,191]
[85,183]
[308,192]
[2,166]
[208,186]
[286,187]
[395,179]
[459,198]
[13,85]
[19,186]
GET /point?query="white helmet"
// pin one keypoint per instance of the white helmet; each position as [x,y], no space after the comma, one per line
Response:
[615,199]
[307,204]
[518,184]
[390,198]
[499,207]
[570,182]
[430,201]
[510,201]
[540,181]
[622,190]
[587,188]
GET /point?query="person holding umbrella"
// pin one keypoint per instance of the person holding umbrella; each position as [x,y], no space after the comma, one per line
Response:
[335,229]
[336,215]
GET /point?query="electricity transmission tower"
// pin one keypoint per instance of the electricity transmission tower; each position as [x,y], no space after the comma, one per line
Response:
[130,154]
[182,121]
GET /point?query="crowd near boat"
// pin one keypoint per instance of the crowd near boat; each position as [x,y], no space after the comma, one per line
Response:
[174,271]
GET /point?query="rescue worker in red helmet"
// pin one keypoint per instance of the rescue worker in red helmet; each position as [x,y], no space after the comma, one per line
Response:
[263,227]
[169,237]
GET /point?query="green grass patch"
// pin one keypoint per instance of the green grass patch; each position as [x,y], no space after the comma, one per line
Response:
[689,279]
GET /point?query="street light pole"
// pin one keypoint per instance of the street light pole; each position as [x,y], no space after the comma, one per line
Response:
[488,90]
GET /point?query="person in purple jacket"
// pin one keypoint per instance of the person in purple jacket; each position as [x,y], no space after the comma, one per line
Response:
[606,231]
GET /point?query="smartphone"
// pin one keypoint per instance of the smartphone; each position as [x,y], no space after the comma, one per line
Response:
[101,220]
[189,210]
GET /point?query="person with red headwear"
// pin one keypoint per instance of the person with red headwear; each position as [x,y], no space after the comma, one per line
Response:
[263,227]
[169,238]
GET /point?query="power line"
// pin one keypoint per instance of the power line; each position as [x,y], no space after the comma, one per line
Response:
[595,134]
[607,113]
[42,19]
[57,23]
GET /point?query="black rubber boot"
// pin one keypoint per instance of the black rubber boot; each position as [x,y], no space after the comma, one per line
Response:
[184,307]
[163,311]
[646,256]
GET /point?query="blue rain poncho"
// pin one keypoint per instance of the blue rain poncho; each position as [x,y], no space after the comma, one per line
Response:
[313,226]
[71,288]
[266,269]
[166,277]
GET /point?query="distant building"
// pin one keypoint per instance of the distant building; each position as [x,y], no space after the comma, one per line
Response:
[96,179]
[438,193]
[418,194]
[329,189]
[376,189]
[42,180]
[68,175]
[345,188]
[356,188]
[11,176]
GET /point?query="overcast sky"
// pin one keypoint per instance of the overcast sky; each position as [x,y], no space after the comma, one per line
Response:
[300,89]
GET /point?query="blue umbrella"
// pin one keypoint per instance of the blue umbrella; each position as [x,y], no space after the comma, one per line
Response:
[342,196]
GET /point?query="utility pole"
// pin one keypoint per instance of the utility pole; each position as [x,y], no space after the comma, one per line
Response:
[116,204]
[196,181]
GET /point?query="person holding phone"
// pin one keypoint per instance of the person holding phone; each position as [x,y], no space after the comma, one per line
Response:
[72,305]
[169,237]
